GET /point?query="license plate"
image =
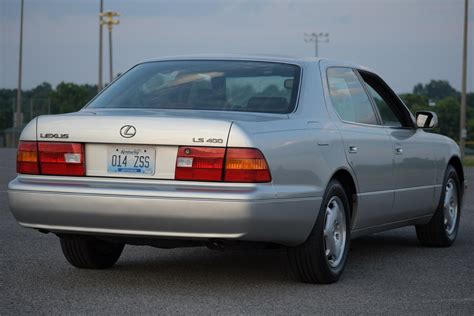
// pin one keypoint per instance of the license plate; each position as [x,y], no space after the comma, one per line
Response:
[131,160]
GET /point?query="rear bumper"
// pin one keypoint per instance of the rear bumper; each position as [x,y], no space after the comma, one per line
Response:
[151,208]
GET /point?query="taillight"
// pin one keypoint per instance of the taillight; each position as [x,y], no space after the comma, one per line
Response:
[27,158]
[65,159]
[246,165]
[199,163]
[220,164]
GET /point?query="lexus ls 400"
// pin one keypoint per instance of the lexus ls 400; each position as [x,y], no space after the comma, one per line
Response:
[226,150]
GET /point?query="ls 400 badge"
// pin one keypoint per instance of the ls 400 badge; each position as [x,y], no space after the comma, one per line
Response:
[209,140]
[51,135]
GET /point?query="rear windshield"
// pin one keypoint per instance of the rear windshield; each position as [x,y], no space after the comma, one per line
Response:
[205,85]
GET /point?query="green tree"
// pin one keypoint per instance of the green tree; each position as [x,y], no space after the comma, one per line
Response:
[43,90]
[415,102]
[448,114]
[7,100]
[70,97]
[435,90]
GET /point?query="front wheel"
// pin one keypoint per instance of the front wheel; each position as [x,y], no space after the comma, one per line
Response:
[322,257]
[442,230]
[90,253]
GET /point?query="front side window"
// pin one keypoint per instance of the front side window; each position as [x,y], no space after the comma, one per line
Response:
[248,86]
[388,117]
[348,96]
[392,111]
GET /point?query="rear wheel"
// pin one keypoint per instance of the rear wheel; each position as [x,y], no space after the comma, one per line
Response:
[90,253]
[322,257]
[442,230]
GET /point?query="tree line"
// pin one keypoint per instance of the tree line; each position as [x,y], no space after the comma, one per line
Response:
[437,95]
[44,99]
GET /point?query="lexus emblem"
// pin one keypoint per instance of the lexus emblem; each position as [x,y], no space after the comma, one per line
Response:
[128,131]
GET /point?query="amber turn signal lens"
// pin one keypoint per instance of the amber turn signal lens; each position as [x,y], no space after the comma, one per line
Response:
[27,158]
[246,165]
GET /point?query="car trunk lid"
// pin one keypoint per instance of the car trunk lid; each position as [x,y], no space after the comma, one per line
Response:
[133,127]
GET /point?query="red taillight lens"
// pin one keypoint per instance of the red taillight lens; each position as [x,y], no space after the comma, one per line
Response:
[207,164]
[199,163]
[27,158]
[246,165]
[65,159]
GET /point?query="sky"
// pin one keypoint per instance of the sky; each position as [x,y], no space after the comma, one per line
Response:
[404,41]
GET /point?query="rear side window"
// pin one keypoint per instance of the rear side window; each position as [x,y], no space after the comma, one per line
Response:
[348,96]
[248,86]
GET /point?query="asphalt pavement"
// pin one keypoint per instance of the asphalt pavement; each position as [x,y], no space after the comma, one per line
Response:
[386,273]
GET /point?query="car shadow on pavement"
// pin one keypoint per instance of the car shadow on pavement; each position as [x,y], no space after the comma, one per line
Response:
[148,267]
[260,265]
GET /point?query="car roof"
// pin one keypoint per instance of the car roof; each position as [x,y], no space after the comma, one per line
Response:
[261,57]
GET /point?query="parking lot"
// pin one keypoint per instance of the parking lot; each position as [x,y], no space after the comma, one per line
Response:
[386,273]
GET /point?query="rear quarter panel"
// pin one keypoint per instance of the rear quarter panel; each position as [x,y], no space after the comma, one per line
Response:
[303,151]
[29,132]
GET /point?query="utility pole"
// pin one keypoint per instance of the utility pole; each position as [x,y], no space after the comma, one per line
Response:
[462,130]
[316,38]
[100,83]
[111,71]
[108,19]
[17,121]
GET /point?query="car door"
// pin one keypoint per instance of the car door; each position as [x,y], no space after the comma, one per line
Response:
[367,146]
[414,163]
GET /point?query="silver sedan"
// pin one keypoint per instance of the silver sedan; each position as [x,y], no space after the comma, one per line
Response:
[219,151]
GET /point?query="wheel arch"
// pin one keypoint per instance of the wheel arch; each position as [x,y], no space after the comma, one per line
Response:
[347,180]
[455,161]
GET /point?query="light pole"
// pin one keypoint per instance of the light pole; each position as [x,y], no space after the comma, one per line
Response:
[100,83]
[316,38]
[108,19]
[462,125]
[17,121]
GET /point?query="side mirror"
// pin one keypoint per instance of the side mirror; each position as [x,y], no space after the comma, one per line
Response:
[426,119]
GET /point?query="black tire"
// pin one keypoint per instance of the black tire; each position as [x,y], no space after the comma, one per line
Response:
[435,233]
[309,261]
[89,253]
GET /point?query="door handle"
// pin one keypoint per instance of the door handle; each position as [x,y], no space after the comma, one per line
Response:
[398,150]
[352,149]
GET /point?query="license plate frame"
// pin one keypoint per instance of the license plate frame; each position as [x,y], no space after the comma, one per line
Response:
[129,160]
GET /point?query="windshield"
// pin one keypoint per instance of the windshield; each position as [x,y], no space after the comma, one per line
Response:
[205,85]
